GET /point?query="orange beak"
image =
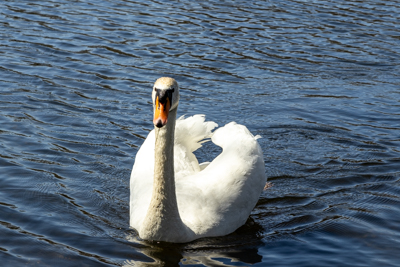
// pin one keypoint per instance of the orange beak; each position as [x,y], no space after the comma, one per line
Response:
[161,112]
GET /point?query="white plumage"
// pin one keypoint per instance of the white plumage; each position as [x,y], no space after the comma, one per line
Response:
[213,199]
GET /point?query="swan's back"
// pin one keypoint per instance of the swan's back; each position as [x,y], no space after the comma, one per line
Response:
[216,200]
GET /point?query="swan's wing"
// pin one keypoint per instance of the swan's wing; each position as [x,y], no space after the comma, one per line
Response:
[219,199]
[141,182]
[189,134]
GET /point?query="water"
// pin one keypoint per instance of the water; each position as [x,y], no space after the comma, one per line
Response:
[319,80]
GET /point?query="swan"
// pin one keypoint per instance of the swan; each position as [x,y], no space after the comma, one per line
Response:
[175,199]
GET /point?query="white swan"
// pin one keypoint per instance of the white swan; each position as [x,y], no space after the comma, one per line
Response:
[175,199]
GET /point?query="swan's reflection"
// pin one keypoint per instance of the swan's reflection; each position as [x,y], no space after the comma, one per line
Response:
[239,247]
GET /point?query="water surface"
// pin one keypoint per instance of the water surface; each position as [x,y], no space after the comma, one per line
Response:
[318,80]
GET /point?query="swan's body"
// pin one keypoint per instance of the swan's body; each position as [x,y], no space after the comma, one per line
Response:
[175,199]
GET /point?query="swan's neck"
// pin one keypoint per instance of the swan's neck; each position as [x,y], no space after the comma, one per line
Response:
[162,220]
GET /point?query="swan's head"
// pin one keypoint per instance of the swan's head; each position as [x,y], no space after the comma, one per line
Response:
[165,98]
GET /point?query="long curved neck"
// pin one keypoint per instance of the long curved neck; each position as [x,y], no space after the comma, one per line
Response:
[162,221]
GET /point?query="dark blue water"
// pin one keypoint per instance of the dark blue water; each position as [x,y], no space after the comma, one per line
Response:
[318,80]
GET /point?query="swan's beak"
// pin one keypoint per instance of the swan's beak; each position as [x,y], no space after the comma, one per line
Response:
[161,112]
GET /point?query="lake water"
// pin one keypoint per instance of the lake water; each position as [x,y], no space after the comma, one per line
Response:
[318,80]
